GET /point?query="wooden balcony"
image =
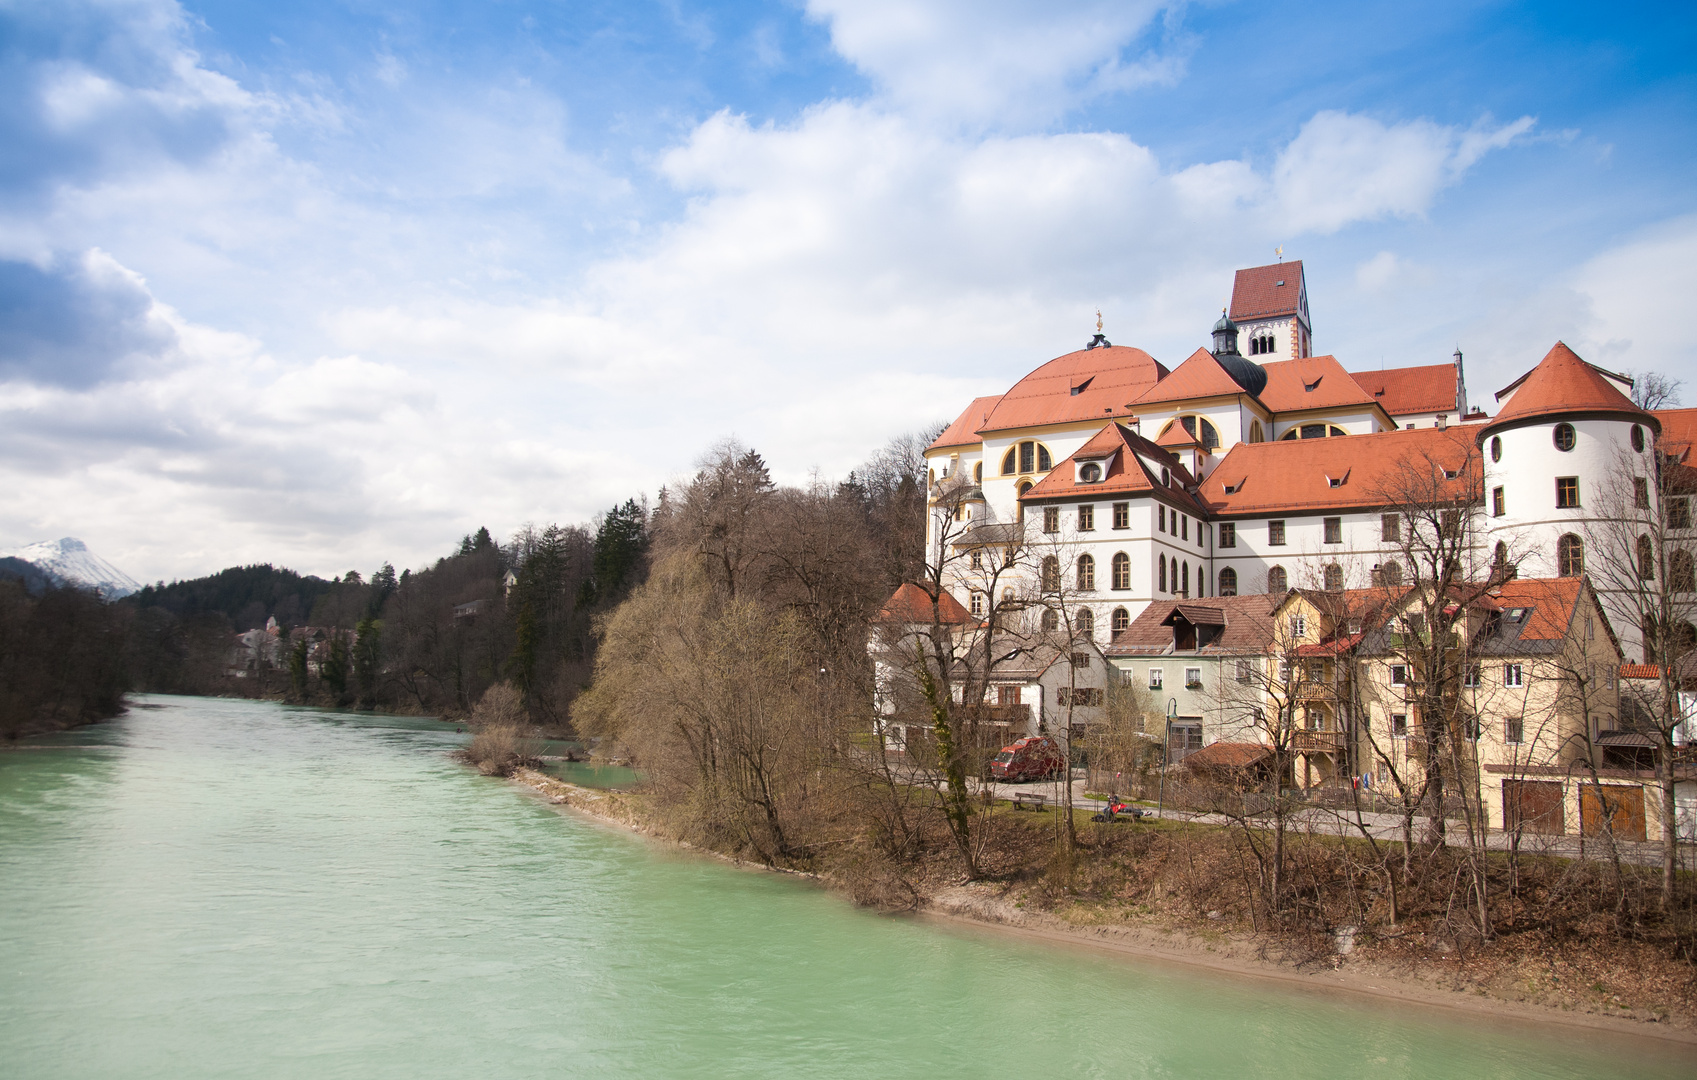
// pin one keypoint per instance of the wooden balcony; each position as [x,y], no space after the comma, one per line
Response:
[1317,742]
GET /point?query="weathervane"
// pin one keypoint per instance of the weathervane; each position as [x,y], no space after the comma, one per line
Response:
[1098,320]
[1280,252]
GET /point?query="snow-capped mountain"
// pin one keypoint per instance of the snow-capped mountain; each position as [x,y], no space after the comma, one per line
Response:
[69,562]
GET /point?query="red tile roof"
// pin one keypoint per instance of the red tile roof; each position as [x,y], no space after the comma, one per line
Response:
[1174,435]
[1679,430]
[1563,383]
[911,604]
[1263,292]
[1126,473]
[1248,627]
[1288,383]
[964,431]
[1551,601]
[1411,389]
[1108,379]
[1200,376]
[1640,671]
[1293,476]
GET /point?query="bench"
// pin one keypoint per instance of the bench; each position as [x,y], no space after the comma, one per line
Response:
[1029,800]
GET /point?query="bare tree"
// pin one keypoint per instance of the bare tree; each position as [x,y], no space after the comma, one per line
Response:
[1640,549]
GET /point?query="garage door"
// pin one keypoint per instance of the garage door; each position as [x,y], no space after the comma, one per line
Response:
[1621,808]
[1535,806]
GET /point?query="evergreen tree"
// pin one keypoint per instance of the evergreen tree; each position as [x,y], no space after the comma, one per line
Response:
[334,671]
[298,668]
[620,543]
[368,656]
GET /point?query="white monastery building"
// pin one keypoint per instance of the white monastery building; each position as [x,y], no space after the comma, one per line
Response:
[1255,466]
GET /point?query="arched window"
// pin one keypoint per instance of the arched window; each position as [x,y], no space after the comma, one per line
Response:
[1051,619]
[1228,582]
[1646,559]
[1026,457]
[1044,462]
[1201,430]
[1121,619]
[1051,574]
[1391,573]
[1496,447]
[1685,639]
[1334,577]
[1122,570]
[1162,579]
[1649,626]
[1024,486]
[1185,588]
[1570,556]
[1680,571]
[1086,573]
[1276,580]
[1291,434]
[1564,438]
[1256,433]
[1010,461]
[1085,621]
[978,472]
[1637,438]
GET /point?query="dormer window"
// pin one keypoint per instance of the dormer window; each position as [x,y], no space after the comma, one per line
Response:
[1090,473]
[1310,387]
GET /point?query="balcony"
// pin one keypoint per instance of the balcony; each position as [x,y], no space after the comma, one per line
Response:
[1317,742]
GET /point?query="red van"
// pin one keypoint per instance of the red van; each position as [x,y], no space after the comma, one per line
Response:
[1035,757]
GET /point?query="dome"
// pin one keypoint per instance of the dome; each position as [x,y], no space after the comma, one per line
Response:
[1245,372]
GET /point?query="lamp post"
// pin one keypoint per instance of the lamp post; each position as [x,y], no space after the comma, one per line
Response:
[1166,754]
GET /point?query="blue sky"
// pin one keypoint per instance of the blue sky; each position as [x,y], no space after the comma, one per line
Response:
[331,283]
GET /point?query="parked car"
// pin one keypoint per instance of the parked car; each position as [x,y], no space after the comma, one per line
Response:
[1035,757]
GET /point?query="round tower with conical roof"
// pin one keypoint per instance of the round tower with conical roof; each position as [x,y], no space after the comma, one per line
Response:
[1566,432]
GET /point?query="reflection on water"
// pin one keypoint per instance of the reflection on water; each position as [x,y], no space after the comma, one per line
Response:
[240,889]
[595,776]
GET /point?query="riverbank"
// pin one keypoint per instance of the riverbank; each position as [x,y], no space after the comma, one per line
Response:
[1618,988]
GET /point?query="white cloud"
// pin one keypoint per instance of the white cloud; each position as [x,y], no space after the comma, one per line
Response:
[1011,60]
[1637,294]
[1344,168]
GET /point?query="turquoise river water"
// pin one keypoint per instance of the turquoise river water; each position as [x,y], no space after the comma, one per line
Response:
[209,888]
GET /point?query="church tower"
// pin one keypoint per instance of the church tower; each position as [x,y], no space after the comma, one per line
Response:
[1270,307]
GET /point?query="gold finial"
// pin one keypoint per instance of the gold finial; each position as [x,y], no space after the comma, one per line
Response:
[1098,320]
[1280,252]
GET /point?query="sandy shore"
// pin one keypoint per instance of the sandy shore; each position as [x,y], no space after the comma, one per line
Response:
[982,908]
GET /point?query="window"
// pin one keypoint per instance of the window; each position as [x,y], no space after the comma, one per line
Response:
[1334,577]
[1496,448]
[1244,671]
[1637,438]
[1499,504]
[1333,530]
[1256,432]
[1399,725]
[977,604]
[1122,515]
[1051,619]
[1679,514]
[1007,695]
[1513,729]
[1027,457]
[1051,519]
[1086,518]
[1640,493]
[1564,437]
[1313,431]
[1163,573]
[1298,625]
[1228,582]
[978,472]
[1086,573]
[1316,671]
[1390,528]
[1570,556]
[1646,559]
[1208,437]
[1399,674]
[1470,728]
[1470,677]
[1275,533]
[1682,576]
[1120,620]
[1184,526]
[1185,588]
[1512,675]
[1154,678]
[977,559]
[1449,524]
[1160,519]
[1284,671]
[1193,678]
[1024,486]
[1051,574]
[1122,570]
[1276,580]
[1391,573]
[1090,472]
[1228,535]
[1086,622]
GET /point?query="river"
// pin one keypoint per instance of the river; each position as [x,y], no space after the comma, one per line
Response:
[235,889]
